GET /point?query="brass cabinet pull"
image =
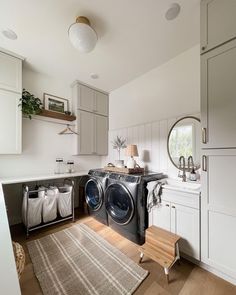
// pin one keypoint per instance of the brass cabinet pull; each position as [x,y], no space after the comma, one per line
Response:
[167,205]
[204,137]
[204,163]
[173,207]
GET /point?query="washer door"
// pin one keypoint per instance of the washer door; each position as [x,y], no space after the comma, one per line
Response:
[94,194]
[119,203]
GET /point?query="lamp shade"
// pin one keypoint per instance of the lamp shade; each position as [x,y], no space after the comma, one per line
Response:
[82,35]
[132,150]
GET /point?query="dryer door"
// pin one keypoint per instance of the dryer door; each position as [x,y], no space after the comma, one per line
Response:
[119,203]
[94,194]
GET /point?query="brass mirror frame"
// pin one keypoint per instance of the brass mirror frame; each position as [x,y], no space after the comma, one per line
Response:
[168,138]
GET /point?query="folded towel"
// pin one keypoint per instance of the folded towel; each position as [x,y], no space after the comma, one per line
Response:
[154,193]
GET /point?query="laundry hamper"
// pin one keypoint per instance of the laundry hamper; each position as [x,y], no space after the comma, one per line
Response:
[19,254]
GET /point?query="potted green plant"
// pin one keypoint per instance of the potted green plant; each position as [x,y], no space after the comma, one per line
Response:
[30,105]
[118,144]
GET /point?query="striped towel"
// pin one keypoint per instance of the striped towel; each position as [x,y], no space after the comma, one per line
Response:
[154,193]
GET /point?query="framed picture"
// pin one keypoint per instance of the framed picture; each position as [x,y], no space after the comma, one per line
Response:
[55,103]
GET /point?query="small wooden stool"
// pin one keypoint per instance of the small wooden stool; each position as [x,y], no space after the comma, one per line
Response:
[161,246]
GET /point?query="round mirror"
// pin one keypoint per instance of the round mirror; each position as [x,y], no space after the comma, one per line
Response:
[184,140]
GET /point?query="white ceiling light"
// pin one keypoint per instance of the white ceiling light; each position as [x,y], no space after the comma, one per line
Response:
[9,34]
[82,35]
[173,11]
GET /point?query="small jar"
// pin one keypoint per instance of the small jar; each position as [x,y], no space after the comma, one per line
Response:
[59,166]
[70,166]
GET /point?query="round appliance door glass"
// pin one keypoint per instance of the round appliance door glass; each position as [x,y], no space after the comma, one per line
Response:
[119,203]
[93,194]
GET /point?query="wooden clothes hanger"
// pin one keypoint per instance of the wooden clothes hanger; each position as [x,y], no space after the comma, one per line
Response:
[67,131]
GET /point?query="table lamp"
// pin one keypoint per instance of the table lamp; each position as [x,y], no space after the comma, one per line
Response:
[131,151]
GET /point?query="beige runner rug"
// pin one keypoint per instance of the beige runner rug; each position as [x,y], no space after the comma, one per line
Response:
[78,261]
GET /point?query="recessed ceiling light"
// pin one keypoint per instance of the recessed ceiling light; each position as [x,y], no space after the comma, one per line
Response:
[94,76]
[173,11]
[9,34]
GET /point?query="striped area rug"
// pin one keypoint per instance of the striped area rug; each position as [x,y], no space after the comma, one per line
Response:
[78,261]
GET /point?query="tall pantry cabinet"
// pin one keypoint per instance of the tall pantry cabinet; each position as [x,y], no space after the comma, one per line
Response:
[218,117]
[10,112]
[91,107]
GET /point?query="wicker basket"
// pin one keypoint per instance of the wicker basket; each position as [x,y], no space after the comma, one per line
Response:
[19,257]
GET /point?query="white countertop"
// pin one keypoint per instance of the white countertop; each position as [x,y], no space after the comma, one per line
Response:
[29,178]
[186,187]
[8,276]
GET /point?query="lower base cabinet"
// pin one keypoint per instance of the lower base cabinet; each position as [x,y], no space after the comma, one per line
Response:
[179,219]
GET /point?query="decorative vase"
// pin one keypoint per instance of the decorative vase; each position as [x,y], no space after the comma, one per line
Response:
[131,163]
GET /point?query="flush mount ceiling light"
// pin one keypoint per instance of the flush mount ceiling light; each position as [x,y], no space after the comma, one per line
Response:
[173,11]
[82,35]
[9,34]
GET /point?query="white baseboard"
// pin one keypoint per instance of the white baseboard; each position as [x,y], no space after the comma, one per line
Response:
[210,269]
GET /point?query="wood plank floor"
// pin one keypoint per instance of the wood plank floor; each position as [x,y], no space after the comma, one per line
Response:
[185,279]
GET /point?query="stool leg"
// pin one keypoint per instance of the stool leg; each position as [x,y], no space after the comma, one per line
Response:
[177,253]
[167,274]
[141,257]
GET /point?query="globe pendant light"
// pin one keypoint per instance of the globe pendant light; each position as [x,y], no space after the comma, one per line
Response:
[82,35]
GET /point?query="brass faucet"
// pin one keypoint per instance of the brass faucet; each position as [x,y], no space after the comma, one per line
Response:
[190,162]
[182,165]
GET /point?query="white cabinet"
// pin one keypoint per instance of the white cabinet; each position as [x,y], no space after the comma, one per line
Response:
[101,103]
[160,216]
[10,123]
[86,144]
[219,211]
[10,112]
[101,135]
[91,107]
[93,134]
[218,23]
[91,100]
[218,93]
[185,223]
[175,215]
[86,98]
[10,73]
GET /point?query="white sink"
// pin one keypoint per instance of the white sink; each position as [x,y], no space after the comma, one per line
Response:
[182,186]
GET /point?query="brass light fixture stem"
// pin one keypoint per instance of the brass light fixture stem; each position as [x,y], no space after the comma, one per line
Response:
[83,20]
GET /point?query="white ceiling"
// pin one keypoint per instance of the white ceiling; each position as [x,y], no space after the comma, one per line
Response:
[134,37]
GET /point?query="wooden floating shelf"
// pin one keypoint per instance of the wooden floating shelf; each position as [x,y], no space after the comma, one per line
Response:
[59,116]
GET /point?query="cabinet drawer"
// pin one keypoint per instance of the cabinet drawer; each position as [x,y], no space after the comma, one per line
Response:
[182,198]
[10,73]
[218,23]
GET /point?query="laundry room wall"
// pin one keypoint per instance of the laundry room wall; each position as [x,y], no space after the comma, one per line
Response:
[144,109]
[41,142]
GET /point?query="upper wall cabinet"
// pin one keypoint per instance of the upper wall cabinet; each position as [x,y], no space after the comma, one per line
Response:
[10,112]
[91,107]
[218,96]
[10,73]
[91,100]
[218,23]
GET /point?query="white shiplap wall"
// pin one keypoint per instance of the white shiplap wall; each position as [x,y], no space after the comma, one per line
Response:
[151,139]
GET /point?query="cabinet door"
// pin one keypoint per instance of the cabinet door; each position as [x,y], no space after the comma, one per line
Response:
[86,99]
[101,103]
[218,96]
[185,223]
[101,135]
[218,211]
[10,123]
[86,133]
[218,22]
[160,216]
[10,73]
